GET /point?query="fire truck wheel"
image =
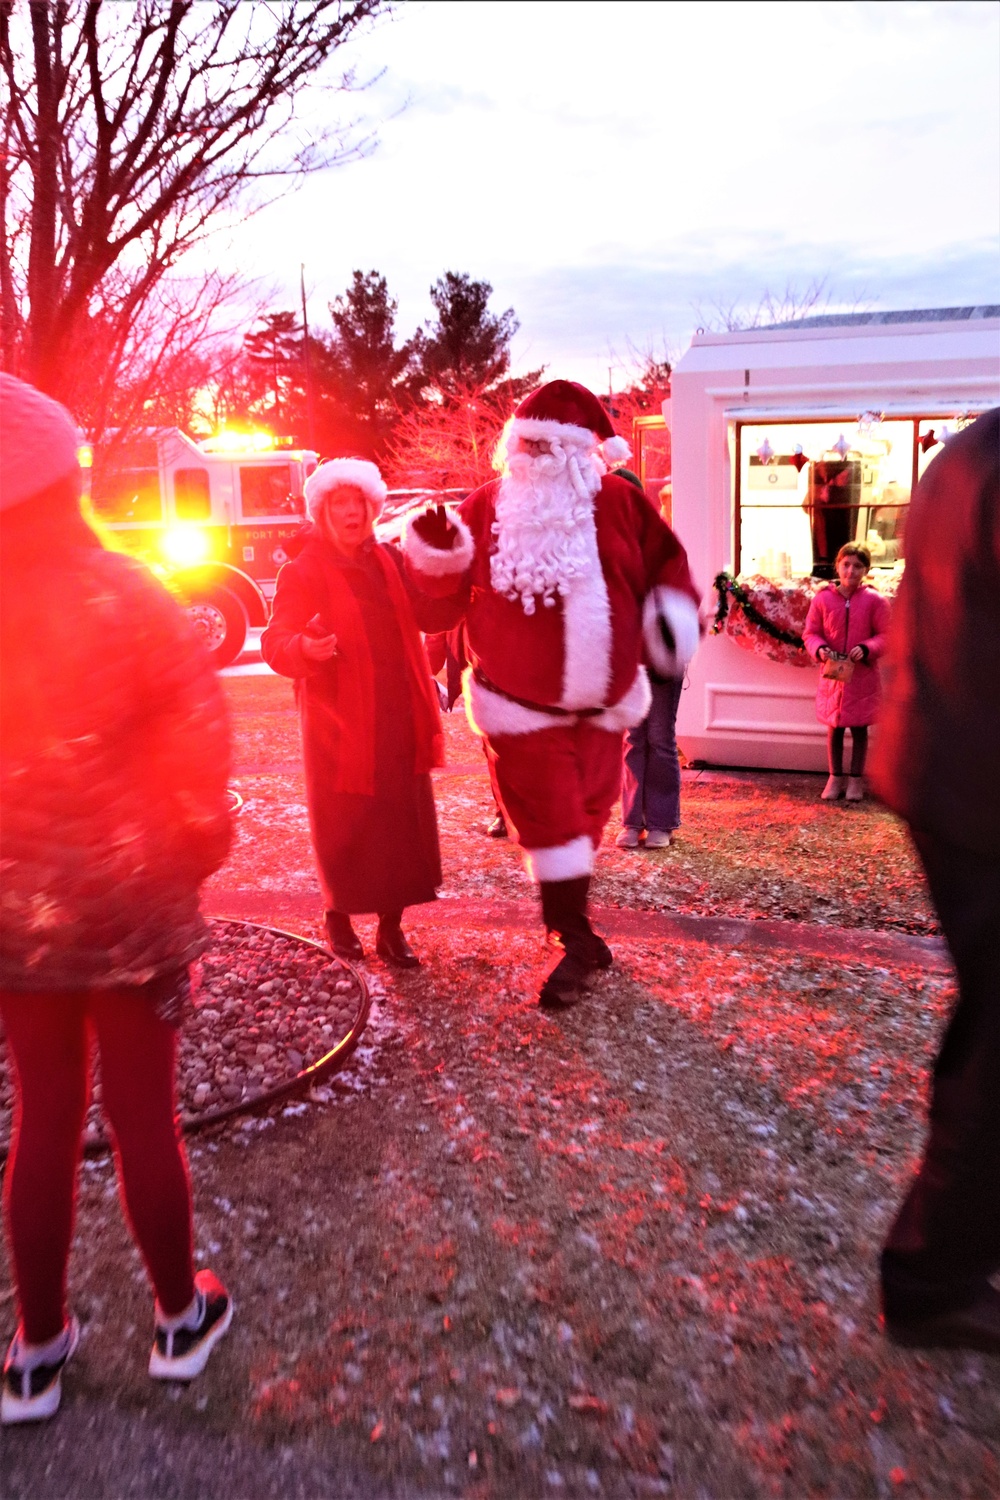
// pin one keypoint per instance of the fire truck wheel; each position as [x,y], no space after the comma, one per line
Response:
[220,620]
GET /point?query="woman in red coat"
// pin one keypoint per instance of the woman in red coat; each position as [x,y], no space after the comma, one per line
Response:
[346,627]
[846,627]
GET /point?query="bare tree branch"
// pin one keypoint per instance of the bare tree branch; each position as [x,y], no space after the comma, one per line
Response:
[126,130]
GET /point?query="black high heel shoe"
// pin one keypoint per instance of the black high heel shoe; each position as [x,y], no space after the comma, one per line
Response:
[391,945]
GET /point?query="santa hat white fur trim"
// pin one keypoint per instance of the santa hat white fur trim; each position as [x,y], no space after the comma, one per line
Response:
[681,614]
[433,561]
[561,861]
[338,473]
[615,450]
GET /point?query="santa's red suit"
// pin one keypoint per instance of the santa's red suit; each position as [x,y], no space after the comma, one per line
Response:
[560,602]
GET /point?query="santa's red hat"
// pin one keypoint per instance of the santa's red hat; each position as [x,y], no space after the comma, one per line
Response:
[563,410]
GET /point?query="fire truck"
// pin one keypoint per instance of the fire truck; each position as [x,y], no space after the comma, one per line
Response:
[212,518]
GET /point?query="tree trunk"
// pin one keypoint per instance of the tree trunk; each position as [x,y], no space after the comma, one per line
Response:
[42,288]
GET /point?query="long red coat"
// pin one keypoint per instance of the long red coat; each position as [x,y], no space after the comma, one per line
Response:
[369,719]
[841,625]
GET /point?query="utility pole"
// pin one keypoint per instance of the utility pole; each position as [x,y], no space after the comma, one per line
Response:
[310,404]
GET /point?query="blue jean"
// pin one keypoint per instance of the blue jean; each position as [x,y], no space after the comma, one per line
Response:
[651,771]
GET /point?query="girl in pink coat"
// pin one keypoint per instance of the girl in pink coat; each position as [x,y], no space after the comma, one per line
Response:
[847,623]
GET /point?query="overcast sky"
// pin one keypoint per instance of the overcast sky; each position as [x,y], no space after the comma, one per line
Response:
[617,170]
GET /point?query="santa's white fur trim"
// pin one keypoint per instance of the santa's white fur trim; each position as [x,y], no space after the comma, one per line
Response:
[681,614]
[432,560]
[561,861]
[586,632]
[355,473]
[492,714]
[631,708]
[615,450]
[553,432]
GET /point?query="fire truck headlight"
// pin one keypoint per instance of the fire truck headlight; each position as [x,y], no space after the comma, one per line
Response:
[185,545]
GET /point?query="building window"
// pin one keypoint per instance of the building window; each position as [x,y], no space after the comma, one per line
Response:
[803,489]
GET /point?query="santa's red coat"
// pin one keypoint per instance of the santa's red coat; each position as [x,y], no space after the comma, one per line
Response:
[583,652]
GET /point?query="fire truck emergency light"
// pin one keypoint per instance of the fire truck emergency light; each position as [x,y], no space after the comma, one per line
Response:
[185,545]
[238,442]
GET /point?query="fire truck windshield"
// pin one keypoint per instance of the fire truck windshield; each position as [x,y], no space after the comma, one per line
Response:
[266,490]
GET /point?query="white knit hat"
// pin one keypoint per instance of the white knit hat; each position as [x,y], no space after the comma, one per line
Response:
[338,473]
[39,441]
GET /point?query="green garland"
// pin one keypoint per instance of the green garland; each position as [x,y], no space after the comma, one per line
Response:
[726,587]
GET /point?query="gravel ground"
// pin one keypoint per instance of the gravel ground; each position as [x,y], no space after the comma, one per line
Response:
[266,1007]
[625,1252]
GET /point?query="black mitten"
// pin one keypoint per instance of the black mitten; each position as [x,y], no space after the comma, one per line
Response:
[434,528]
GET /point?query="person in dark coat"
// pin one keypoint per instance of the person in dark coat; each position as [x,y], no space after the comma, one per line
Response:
[938,765]
[346,626]
[113,763]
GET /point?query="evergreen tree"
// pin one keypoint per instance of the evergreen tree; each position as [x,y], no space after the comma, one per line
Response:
[274,355]
[373,377]
[468,348]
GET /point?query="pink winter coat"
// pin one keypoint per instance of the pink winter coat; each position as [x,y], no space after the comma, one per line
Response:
[842,624]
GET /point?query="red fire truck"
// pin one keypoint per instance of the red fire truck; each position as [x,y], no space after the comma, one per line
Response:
[212,518]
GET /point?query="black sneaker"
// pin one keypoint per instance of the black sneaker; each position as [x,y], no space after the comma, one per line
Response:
[31,1390]
[182,1353]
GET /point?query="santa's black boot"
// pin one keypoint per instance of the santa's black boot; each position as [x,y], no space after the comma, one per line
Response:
[564,911]
[601,956]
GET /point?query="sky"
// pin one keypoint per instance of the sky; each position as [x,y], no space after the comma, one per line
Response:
[621,173]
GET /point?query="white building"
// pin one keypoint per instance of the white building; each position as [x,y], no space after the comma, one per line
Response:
[788,441]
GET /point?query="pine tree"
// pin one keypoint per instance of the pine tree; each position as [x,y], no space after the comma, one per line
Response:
[468,348]
[372,377]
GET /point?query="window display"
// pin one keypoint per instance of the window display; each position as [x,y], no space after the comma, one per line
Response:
[804,488]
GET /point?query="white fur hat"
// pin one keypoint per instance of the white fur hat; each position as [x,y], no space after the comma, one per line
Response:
[39,441]
[340,472]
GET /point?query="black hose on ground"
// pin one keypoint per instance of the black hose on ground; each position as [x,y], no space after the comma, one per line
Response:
[298,1084]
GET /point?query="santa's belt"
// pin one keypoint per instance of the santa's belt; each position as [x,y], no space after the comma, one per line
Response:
[540,708]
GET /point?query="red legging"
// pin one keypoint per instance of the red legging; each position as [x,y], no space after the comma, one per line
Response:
[47,1036]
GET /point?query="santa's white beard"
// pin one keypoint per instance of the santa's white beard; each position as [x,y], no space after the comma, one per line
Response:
[544,525]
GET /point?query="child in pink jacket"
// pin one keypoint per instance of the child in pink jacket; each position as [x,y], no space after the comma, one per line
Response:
[847,623]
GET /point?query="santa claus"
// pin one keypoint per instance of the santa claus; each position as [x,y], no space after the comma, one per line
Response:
[565,573]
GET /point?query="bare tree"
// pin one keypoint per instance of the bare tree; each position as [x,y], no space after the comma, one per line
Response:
[790,306]
[449,444]
[125,132]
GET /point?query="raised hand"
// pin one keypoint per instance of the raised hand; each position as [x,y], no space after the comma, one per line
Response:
[433,527]
[318,643]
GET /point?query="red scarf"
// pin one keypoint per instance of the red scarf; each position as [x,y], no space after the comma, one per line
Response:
[355,766]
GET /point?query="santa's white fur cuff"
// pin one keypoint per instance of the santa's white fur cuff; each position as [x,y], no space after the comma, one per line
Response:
[561,861]
[631,708]
[433,561]
[681,614]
